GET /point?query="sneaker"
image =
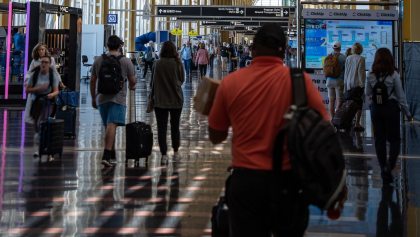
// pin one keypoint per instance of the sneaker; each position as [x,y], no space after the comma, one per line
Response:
[36,154]
[50,158]
[177,156]
[106,163]
[112,161]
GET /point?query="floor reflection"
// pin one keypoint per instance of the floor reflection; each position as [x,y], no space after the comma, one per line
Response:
[75,196]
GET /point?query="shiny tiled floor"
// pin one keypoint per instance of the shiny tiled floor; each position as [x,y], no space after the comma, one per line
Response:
[75,196]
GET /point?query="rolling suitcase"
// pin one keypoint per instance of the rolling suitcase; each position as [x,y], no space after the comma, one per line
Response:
[68,114]
[51,137]
[139,140]
[343,118]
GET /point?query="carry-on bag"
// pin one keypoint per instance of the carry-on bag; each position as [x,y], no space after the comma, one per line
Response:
[51,137]
[68,98]
[68,114]
[344,115]
[139,139]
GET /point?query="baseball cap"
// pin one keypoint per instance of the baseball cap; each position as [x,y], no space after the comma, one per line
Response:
[336,45]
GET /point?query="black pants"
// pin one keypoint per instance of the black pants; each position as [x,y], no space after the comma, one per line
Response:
[261,203]
[203,69]
[147,65]
[162,124]
[386,127]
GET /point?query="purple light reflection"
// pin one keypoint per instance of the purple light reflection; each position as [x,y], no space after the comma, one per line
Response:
[26,63]
[8,49]
[3,158]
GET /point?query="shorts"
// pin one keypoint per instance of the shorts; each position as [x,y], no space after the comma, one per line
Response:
[112,113]
[335,88]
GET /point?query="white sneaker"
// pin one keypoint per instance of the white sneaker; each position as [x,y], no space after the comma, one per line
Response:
[177,156]
[50,158]
[36,154]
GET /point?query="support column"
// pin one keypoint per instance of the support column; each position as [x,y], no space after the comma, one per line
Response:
[132,26]
[105,11]
[65,18]
[410,31]
[153,17]
[3,18]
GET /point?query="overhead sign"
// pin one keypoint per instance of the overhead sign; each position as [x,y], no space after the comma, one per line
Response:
[238,23]
[177,11]
[226,11]
[192,33]
[242,19]
[176,31]
[267,12]
[112,19]
[350,14]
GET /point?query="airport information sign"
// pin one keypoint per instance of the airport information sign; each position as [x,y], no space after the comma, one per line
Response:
[178,11]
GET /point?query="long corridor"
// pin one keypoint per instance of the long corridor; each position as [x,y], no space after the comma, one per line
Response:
[76,196]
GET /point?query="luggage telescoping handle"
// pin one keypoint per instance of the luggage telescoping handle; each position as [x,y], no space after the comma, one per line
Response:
[133,106]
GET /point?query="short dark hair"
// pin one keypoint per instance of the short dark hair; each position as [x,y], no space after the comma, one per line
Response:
[383,64]
[269,39]
[114,42]
[46,56]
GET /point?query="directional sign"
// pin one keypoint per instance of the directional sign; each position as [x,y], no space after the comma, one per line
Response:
[227,11]
[192,33]
[267,12]
[242,19]
[215,23]
[176,31]
[112,19]
[177,11]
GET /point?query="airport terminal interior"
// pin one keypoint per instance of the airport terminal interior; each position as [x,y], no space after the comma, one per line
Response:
[74,194]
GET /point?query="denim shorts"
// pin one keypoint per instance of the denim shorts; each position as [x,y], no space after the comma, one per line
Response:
[112,113]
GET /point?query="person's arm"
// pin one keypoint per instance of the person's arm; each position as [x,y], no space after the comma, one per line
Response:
[37,88]
[92,86]
[216,136]
[131,75]
[368,87]
[346,73]
[362,72]
[399,92]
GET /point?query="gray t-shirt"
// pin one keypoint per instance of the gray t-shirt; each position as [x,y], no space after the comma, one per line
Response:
[44,79]
[127,70]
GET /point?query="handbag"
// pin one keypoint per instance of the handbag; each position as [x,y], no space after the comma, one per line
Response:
[68,97]
[150,103]
[150,100]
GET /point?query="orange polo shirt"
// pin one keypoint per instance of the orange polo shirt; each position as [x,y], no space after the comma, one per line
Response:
[253,101]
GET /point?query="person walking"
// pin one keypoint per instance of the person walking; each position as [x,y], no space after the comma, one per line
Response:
[385,110]
[335,83]
[42,86]
[149,58]
[167,80]
[202,59]
[112,106]
[354,80]
[187,55]
[253,101]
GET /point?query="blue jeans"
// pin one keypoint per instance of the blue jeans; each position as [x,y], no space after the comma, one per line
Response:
[187,66]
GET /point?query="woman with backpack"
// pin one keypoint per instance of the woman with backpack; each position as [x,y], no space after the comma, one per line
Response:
[168,98]
[384,90]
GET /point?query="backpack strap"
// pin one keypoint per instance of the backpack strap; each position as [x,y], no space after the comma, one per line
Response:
[299,97]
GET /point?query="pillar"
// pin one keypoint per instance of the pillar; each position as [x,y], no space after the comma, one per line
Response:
[152,17]
[132,26]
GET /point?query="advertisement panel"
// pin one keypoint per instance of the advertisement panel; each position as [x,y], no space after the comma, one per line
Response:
[321,34]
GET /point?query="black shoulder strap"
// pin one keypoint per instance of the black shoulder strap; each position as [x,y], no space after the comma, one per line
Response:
[299,97]
[35,75]
[51,79]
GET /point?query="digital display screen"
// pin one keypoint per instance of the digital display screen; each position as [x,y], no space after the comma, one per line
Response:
[320,36]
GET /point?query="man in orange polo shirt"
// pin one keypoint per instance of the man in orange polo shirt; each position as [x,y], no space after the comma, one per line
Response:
[253,101]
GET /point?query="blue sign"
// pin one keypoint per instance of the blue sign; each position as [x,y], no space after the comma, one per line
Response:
[112,19]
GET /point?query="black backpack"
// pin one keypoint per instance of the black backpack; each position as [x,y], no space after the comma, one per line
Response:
[380,92]
[110,78]
[315,152]
[224,52]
